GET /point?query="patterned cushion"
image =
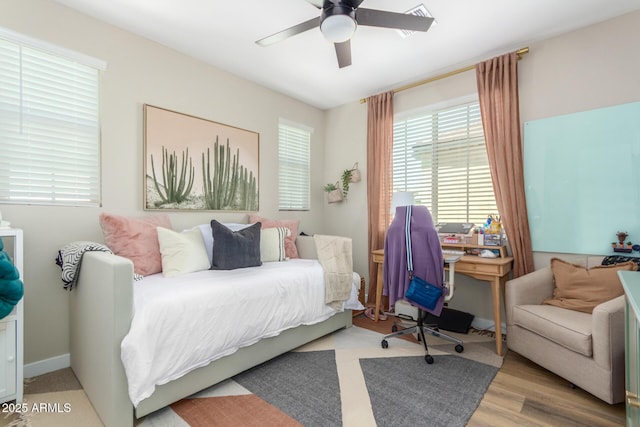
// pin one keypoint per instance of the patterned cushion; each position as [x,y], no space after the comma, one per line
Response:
[272,244]
[291,224]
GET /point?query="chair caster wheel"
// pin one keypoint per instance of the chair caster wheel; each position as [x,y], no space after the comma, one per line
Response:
[429,359]
[384,344]
[459,348]
[394,328]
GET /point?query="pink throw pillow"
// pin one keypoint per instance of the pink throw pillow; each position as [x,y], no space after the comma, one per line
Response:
[290,248]
[135,239]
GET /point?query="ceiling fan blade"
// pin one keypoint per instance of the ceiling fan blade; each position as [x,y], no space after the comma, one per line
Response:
[292,31]
[400,21]
[343,52]
[316,3]
[352,3]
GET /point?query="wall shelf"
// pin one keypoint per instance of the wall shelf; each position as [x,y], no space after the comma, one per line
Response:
[468,248]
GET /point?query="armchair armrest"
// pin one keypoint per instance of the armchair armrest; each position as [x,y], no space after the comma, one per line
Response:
[532,288]
[607,332]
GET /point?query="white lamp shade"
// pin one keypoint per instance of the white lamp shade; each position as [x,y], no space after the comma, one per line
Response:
[338,28]
[401,198]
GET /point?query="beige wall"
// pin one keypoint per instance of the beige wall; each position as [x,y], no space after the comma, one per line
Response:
[139,71]
[585,69]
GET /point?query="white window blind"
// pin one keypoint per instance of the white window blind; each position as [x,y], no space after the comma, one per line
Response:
[294,145]
[441,157]
[49,127]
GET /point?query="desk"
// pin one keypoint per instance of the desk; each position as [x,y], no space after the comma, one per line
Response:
[492,270]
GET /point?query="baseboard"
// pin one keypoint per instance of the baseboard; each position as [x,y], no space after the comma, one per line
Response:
[47,365]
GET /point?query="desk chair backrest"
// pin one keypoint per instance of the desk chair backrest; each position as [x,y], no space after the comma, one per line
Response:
[428,261]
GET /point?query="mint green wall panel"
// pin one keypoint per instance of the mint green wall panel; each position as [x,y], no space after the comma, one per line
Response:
[582,179]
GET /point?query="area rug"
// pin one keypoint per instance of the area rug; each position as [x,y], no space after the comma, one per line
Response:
[405,392]
[343,379]
[348,379]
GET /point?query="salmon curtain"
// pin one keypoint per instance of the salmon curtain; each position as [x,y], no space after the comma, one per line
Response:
[379,176]
[497,81]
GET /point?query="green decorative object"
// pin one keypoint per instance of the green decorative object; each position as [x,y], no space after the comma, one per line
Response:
[248,196]
[346,179]
[11,287]
[334,194]
[176,185]
[330,187]
[229,185]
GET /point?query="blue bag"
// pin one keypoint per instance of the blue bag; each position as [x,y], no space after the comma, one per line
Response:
[423,293]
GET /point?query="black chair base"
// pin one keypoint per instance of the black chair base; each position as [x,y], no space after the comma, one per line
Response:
[421,329]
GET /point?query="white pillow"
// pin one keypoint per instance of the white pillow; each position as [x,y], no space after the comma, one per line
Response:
[182,252]
[207,234]
[272,243]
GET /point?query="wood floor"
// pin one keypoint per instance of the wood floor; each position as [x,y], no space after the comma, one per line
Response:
[524,394]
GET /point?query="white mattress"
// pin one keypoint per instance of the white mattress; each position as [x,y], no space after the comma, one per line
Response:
[185,322]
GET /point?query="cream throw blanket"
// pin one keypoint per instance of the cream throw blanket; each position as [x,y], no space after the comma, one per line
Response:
[335,256]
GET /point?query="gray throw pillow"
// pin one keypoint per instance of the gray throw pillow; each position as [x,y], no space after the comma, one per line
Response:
[235,249]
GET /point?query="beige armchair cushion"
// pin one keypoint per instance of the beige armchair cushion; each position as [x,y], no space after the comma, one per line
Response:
[570,329]
[581,289]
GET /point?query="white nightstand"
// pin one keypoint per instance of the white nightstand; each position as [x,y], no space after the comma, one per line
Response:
[11,328]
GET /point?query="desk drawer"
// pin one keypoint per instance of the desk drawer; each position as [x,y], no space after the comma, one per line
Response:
[478,268]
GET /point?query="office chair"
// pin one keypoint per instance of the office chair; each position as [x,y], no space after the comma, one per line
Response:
[420,328]
[413,236]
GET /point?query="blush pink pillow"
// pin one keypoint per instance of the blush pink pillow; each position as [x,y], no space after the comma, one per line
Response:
[135,239]
[290,248]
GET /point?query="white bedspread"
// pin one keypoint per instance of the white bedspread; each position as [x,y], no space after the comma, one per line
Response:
[185,322]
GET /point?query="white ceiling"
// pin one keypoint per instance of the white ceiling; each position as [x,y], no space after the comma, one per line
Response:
[223,33]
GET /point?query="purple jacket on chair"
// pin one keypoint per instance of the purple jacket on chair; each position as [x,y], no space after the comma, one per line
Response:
[428,262]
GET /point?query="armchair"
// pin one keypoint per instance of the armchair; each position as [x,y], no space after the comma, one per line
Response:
[587,349]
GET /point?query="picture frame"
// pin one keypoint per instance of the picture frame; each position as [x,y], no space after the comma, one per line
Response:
[195,164]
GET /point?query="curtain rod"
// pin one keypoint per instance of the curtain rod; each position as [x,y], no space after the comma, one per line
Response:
[519,52]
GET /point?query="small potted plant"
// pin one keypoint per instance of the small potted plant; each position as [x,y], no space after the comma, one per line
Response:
[334,194]
[629,245]
[622,236]
[346,179]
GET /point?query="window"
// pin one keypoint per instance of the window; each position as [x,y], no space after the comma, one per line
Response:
[294,144]
[49,124]
[441,157]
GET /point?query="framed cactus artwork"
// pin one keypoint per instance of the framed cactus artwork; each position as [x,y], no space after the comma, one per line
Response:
[197,164]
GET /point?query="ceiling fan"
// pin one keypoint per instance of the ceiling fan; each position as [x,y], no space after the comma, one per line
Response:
[339,19]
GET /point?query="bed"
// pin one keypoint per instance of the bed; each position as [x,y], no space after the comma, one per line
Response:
[104,334]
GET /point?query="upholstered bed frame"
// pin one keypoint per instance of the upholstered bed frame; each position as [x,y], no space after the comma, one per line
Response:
[101,313]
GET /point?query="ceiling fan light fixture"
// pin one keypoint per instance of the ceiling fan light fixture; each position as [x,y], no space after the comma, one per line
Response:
[338,28]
